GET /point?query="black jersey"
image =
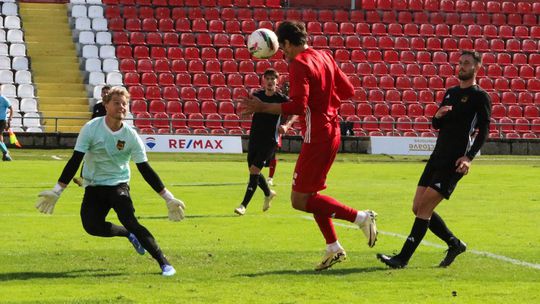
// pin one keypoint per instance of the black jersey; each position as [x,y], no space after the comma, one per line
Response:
[99,110]
[471,109]
[263,125]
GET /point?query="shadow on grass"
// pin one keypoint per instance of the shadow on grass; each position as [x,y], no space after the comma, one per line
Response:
[331,272]
[29,275]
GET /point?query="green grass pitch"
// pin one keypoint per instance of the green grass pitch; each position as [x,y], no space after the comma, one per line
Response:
[269,257]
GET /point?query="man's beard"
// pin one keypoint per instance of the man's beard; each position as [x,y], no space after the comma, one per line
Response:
[467,76]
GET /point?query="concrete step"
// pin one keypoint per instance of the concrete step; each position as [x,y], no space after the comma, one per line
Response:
[46,67]
[68,76]
[63,100]
[62,86]
[39,52]
[62,129]
[63,93]
[55,59]
[44,38]
[75,121]
[64,107]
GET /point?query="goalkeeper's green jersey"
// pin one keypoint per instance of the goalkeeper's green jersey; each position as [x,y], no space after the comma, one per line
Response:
[107,153]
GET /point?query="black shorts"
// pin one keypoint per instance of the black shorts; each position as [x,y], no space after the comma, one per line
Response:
[443,179]
[99,200]
[269,160]
[260,153]
[3,124]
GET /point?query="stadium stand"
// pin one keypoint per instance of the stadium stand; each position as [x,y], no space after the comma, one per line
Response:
[16,80]
[400,56]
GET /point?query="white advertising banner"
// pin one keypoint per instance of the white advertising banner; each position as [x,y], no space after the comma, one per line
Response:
[192,144]
[396,145]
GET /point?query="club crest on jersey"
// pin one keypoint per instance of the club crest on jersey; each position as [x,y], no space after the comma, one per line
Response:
[120,145]
[464,99]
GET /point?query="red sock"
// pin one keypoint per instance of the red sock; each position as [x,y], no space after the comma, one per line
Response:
[327,228]
[327,206]
[272,168]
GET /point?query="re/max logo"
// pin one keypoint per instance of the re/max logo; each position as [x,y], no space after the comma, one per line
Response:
[195,144]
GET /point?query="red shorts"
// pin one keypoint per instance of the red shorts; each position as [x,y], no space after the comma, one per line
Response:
[313,164]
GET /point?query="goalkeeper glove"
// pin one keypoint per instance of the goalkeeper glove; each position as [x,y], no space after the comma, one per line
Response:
[47,199]
[176,207]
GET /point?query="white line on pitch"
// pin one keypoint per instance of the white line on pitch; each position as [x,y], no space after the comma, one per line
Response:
[430,244]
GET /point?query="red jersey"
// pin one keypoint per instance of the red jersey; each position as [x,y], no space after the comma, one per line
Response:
[317,86]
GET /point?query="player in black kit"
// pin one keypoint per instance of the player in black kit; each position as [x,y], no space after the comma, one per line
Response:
[464,108]
[263,138]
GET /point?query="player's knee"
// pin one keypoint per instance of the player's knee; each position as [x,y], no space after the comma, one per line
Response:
[296,205]
[298,202]
[93,228]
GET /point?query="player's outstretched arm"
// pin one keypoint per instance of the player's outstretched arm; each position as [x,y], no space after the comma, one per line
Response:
[47,199]
[252,104]
[175,206]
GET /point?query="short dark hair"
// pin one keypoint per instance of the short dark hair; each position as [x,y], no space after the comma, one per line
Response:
[475,55]
[105,87]
[293,31]
[271,72]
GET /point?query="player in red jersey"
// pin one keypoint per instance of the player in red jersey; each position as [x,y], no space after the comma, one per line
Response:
[317,86]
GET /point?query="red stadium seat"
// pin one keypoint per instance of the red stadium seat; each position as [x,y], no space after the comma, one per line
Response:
[363,29]
[173,107]
[404,124]
[223,94]
[525,98]
[531,112]
[336,42]
[409,96]
[195,66]
[426,96]
[346,28]
[364,109]
[533,85]
[166,79]
[170,93]
[397,69]
[120,38]
[352,42]
[359,56]
[430,109]
[380,69]
[347,109]
[142,120]
[370,123]
[436,83]
[535,125]
[393,96]
[251,80]
[381,109]
[342,55]
[138,106]
[498,111]
[398,110]
[369,82]
[127,65]
[161,121]
[515,111]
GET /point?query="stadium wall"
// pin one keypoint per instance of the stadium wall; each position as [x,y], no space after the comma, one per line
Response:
[290,144]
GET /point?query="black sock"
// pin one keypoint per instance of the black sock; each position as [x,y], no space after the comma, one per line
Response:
[264,185]
[418,232]
[439,228]
[252,186]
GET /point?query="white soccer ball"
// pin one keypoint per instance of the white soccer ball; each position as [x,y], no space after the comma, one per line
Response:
[262,43]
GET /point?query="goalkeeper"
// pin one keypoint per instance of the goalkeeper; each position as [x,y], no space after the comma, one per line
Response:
[107,144]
